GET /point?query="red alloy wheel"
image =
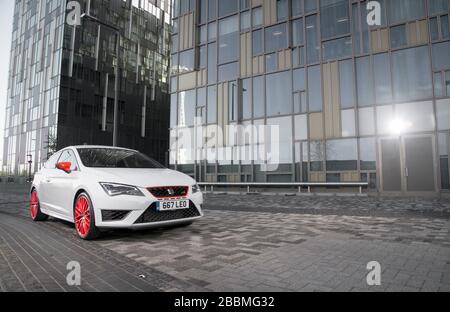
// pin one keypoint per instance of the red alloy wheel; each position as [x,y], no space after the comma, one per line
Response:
[82,216]
[34,205]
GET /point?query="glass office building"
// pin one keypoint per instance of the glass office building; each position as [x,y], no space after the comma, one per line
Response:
[353,102]
[62,79]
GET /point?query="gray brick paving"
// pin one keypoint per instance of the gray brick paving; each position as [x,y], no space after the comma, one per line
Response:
[251,243]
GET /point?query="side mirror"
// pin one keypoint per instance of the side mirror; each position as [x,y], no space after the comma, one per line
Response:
[64,166]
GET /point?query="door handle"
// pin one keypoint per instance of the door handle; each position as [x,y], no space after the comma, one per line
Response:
[406,172]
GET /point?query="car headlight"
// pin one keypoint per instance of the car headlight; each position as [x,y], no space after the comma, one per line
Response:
[114,189]
[196,189]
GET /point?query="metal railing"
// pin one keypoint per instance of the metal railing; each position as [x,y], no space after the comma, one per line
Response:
[300,186]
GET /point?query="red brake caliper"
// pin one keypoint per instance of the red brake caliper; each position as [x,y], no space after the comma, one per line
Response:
[82,216]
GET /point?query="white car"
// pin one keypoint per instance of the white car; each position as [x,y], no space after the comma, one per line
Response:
[98,187]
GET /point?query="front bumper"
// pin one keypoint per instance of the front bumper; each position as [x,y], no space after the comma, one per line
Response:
[133,212]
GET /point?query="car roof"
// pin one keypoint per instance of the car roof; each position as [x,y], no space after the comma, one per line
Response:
[100,147]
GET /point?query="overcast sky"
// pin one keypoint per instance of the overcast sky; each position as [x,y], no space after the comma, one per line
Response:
[6,16]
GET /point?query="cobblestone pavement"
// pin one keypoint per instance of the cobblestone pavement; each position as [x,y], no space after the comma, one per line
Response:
[335,205]
[260,243]
[34,257]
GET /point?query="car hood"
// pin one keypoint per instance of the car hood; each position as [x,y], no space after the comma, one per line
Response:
[142,177]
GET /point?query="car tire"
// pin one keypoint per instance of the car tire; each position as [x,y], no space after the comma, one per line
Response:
[84,218]
[35,208]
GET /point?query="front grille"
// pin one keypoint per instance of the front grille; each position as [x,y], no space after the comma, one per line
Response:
[114,215]
[169,191]
[152,215]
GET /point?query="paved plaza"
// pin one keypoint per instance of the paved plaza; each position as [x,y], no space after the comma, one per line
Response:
[244,243]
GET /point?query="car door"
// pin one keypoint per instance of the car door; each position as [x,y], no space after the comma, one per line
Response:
[46,197]
[63,185]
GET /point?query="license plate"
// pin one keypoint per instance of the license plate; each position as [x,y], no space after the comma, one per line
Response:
[172,205]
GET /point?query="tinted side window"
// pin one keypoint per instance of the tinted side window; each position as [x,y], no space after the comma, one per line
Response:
[68,156]
[51,163]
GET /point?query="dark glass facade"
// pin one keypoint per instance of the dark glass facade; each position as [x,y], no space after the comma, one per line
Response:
[62,79]
[353,102]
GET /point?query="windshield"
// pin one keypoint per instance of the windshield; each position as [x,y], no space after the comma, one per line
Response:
[116,158]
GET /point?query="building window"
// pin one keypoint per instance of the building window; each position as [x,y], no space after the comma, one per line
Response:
[297,32]
[398,36]
[258,97]
[246,22]
[271,62]
[279,92]
[298,57]
[228,72]
[212,31]
[300,102]
[174,43]
[367,155]
[336,49]
[439,28]
[316,155]
[364,83]
[233,103]
[282,10]
[360,28]
[438,90]
[173,110]
[418,116]
[257,17]
[299,80]
[284,125]
[297,7]
[257,42]
[346,84]
[405,10]
[334,18]
[314,89]
[310,5]
[246,99]
[227,7]
[203,13]
[212,9]
[443,114]
[244,4]
[441,52]
[174,64]
[201,105]
[186,6]
[348,123]
[312,39]
[212,63]
[367,121]
[382,78]
[438,6]
[212,105]
[228,39]
[411,72]
[174,84]
[187,61]
[342,155]
[186,111]
[276,38]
